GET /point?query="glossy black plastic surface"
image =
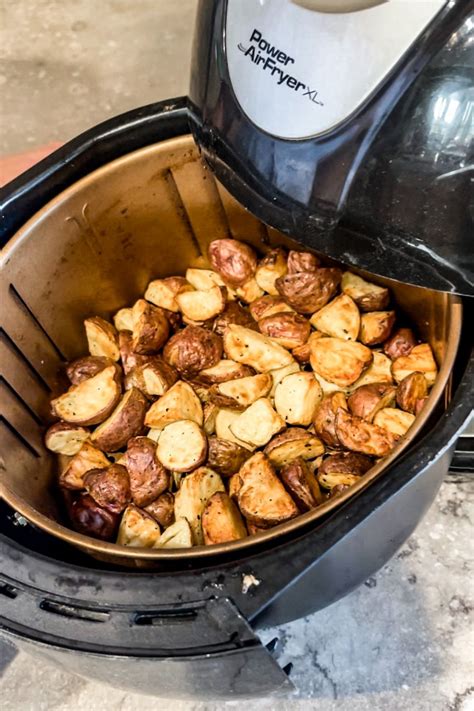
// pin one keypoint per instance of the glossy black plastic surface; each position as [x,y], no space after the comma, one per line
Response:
[389,189]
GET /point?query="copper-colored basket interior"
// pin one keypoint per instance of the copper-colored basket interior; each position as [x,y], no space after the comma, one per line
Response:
[92,250]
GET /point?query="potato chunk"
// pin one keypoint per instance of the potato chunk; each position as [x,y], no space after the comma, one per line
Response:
[203,279]
[233,313]
[234,261]
[291,444]
[356,434]
[302,262]
[280,373]
[129,358]
[125,422]
[90,519]
[89,402]
[269,306]
[123,320]
[202,305]
[182,446]
[307,292]
[341,362]
[340,318]
[148,477]
[269,269]
[178,535]
[251,348]
[109,487]
[180,402]
[193,349]
[368,296]
[162,509]
[190,501]
[87,458]
[301,484]
[297,398]
[225,457]
[137,529]
[400,343]
[258,423]
[261,496]
[367,400]
[221,520]
[163,292]
[224,420]
[411,392]
[379,371]
[325,418]
[376,326]
[64,438]
[250,291]
[150,328]
[289,330]
[419,360]
[102,338]
[210,414]
[223,371]
[343,470]
[88,366]
[153,378]
[394,420]
[241,393]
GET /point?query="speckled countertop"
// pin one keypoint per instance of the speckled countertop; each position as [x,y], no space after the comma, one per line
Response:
[403,640]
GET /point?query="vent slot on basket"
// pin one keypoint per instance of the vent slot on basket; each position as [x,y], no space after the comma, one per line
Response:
[18,437]
[8,591]
[74,612]
[165,617]
[22,303]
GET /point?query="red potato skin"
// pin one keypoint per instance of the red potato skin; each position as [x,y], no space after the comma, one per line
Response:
[307,292]
[233,313]
[110,487]
[193,349]
[346,463]
[286,325]
[89,518]
[88,366]
[148,477]
[400,343]
[162,509]
[301,262]
[234,261]
[129,358]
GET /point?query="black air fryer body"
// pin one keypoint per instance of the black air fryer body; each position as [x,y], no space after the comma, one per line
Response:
[145,630]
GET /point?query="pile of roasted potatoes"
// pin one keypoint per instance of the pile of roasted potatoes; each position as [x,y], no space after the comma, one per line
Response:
[233,399]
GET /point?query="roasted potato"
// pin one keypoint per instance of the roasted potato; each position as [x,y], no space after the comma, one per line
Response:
[340,318]
[203,279]
[201,306]
[338,361]
[194,493]
[178,535]
[91,401]
[368,296]
[87,458]
[251,348]
[280,373]
[163,292]
[329,388]
[192,350]
[301,483]
[233,313]
[250,291]
[400,343]
[102,338]
[84,368]
[148,477]
[358,435]
[128,357]
[394,420]
[260,495]
[64,438]
[379,371]
[258,423]
[123,320]
[182,446]
[297,398]
[349,464]
[301,262]
[162,509]
[126,421]
[376,326]
[302,353]
[109,487]
[224,420]
[137,529]
[221,520]
[180,402]
[234,261]
[241,393]
[307,292]
[293,443]
[89,518]
[367,400]
[268,306]
[325,418]
[150,328]
[419,360]
[153,378]
[411,392]
[289,330]
[223,371]
[269,269]
[210,413]
[225,457]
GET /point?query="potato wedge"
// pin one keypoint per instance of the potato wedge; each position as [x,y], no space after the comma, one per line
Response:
[202,305]
[221,520]
[89,518]
[302,262]
[307,292]
[64,438]
[289,330]
[400,343]
[109,487]
[180,402]
[123,320]
[84,368]
[148,477]
[338,361]
[394,420]
[210,414]
[339,318]
[192,350]
[190,501]
[356,434]
[325,418]
[137,529]
[163,292]
[162,509]
[241,393]
[258,423]
[234,261]
[379,371]
[225,457]
[128,357]
[345,464]
[224,419]
[301,483]
[89,402]
[154,378]
[87,458]
[223,371]
[251,348]
[102,338]
[182,446]
[261,496]
[233,313]
[419,360]
[368,296]
[269,269]
[293,443]
[203,279]
[269,306]
[411,392]
[297,398]
[178,535]
[126,421]
[250,291]
[367,400]
[280,373]
[150,328]
[376,326]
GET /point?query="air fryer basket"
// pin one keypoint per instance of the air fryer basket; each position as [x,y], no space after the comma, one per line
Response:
[92,250]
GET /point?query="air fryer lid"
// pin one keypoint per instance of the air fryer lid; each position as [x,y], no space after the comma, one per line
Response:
[349,130]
